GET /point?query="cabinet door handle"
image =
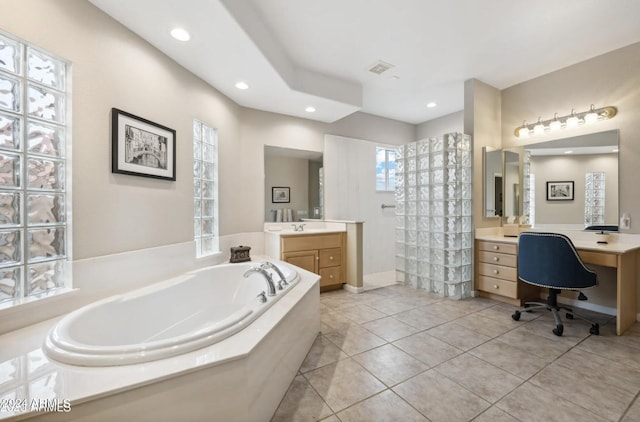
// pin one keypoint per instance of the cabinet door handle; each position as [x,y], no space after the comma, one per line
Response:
[495,258]
[496,247]
[331,276]
[496,272]
[495,286]
[317,258]
[331,258]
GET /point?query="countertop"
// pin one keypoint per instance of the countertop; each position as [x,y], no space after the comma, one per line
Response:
[581,240]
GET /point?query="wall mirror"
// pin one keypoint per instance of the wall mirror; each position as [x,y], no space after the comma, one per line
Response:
[297,173]
[492,182]
[511,184]
[570,161]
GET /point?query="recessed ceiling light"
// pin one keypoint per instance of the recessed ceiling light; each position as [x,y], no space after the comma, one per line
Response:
[310,109]
[431,104]
[242,85]
[180,34]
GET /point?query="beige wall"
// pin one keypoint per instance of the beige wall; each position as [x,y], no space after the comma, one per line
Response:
[610,79]
[113,67]
[449,123]
[482,120]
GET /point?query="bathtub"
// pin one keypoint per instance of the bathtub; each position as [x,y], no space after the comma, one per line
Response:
[167,319]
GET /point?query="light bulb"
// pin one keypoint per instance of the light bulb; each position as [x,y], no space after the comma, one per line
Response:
[573,120]
[538,129]
[591,116]
[556,124]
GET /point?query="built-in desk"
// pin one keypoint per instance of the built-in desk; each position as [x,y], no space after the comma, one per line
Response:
[621,256]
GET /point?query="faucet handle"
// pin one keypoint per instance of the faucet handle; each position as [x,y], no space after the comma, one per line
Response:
[262,297]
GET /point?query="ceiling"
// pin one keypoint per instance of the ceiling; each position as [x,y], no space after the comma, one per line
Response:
[299,53]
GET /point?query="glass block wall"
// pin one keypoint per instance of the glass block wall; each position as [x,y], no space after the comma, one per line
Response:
[433,215]
[528,189]
[33,134]
[594,188]
[205,183]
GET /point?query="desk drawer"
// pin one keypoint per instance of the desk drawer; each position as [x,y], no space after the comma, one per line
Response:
[599,258]
[498,271]
[498,286]
[509,248]
[498,258]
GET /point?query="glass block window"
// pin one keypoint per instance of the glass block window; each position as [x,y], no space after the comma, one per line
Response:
[205,183]
[385,169]
[34,131]
[594,196]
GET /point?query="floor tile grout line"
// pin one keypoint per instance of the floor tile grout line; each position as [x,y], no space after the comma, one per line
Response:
[455,320]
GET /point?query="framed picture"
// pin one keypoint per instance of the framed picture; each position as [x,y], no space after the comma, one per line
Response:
[140,147]
[560,191]
[280,195]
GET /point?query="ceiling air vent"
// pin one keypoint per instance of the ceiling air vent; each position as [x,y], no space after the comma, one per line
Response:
[380,67]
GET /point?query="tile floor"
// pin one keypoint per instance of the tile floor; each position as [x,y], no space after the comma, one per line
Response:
[398,354]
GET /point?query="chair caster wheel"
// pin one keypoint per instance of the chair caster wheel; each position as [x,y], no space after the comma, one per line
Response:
[526,305]
[595,330]
[516,316]
[569,316]
[558,330]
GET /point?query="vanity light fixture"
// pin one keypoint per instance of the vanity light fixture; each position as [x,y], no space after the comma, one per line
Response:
[310,109]
[180,34]
[563,122]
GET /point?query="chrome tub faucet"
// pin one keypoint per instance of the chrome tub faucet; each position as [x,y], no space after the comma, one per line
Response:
[283,280]
[271,289]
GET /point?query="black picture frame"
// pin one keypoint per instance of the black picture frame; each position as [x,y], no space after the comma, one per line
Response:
[560,190]
[280,195]
[140,147]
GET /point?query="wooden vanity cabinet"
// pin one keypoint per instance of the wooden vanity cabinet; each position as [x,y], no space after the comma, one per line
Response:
[497,273]
[322,254]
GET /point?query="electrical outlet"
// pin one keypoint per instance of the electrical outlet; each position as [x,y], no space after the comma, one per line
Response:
[625,221]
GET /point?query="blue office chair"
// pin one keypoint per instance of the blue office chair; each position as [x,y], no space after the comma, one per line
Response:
[550,260]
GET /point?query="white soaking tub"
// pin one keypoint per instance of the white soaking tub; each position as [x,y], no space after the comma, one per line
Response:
[167,319]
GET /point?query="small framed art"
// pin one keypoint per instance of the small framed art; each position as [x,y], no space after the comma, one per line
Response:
[280,195]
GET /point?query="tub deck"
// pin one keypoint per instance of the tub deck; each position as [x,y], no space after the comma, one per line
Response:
[259,362]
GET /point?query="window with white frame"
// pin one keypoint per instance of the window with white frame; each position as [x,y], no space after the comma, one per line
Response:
[35,130]
[205,183]
[385,169]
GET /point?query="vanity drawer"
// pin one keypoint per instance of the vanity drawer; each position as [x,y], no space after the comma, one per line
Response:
[331,275]
[311,241]
[498,271]
[498,286]
[508,248]
[330,257]
[498,258]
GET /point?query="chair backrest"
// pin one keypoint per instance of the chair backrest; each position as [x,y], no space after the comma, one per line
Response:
[550,260]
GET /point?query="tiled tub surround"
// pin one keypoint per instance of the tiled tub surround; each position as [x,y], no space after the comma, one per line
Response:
[240,378]
[400,354]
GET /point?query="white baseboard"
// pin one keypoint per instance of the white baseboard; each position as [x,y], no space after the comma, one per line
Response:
[352,289]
